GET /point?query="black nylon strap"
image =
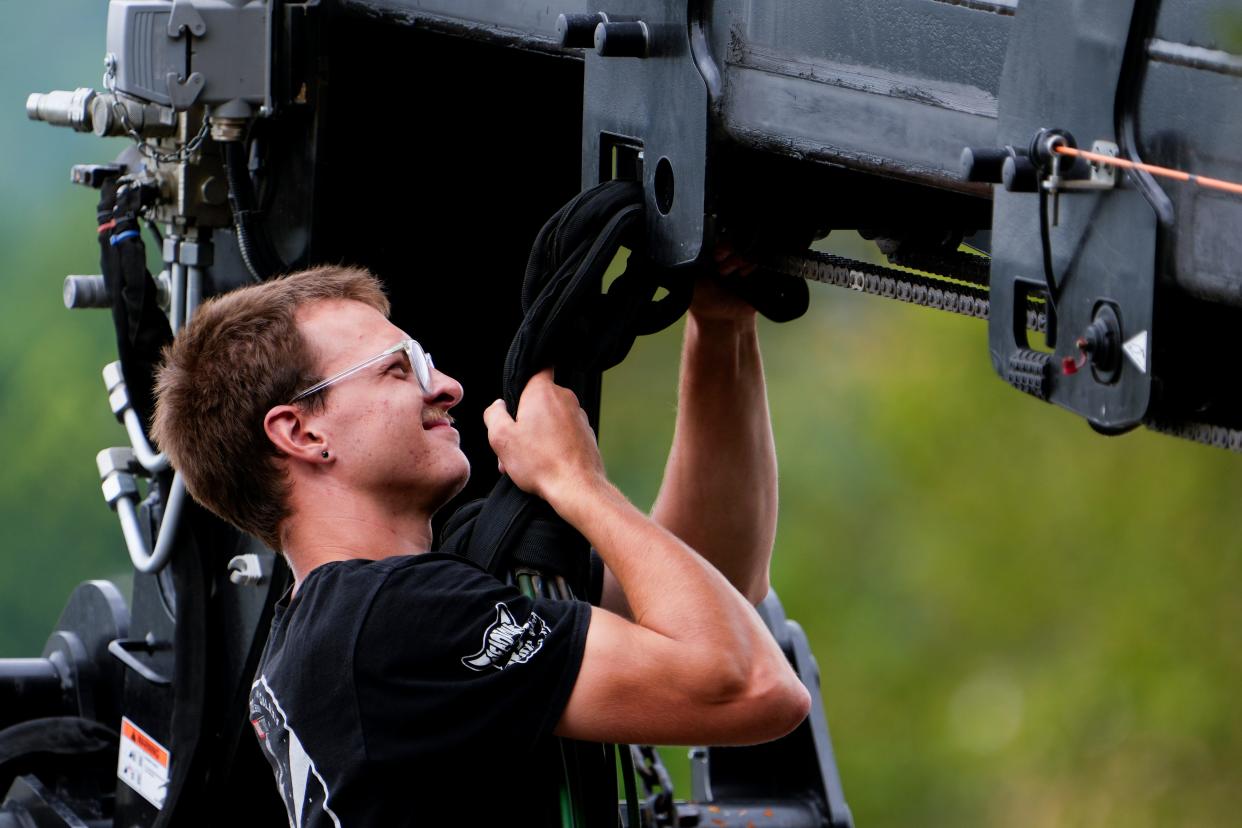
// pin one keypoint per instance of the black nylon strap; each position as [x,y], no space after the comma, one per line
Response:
[541,337]
[548,545]
[141,328]
[571,324]
[505,513]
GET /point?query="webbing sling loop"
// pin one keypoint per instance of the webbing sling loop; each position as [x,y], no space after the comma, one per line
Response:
[571,324]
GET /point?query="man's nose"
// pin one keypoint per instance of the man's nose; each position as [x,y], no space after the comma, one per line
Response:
[445,392]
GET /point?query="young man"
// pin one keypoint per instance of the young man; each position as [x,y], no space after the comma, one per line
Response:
[399,685]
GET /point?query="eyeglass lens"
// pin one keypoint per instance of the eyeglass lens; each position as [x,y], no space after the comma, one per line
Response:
[421,362]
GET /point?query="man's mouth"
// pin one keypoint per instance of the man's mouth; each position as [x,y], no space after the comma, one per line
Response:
[437,419]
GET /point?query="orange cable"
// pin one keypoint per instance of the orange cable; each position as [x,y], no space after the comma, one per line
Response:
[1167,172]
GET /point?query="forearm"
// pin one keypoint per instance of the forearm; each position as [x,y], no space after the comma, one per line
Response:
[719,493]
[691,628]
[670,589]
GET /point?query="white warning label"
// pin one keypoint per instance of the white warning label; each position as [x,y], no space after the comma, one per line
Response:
[143,764]
[1136,349]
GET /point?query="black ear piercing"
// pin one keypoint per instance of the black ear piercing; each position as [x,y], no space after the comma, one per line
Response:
[324,454]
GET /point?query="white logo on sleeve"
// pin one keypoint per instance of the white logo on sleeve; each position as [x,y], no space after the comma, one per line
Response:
[507,642]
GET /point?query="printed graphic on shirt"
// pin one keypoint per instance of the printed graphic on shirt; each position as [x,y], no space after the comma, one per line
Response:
[507,642]
[302,788]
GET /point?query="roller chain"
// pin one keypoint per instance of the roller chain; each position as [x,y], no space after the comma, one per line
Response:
[935,292]
[1029,371]
[965,267]
[1216,436]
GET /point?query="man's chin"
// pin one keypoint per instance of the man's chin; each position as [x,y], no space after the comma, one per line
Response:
[462,480]
[453,487]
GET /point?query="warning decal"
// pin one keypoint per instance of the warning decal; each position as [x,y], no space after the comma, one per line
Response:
[1136,349]
[143,763]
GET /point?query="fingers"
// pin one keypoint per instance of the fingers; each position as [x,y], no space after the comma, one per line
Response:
[496,416]
[542,386]
[729,262]
[544,376]
[498,423]
[543,396]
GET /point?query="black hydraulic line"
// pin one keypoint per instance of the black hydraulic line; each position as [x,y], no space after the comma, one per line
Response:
[1126,107]
[253,242]
[1045,243]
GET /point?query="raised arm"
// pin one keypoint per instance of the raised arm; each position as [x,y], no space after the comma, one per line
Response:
[697,664]
[719,492]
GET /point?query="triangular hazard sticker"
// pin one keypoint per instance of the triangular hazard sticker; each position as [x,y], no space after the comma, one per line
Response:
[1136,349]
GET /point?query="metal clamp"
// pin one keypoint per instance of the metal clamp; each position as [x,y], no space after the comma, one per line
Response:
[1102,176]
[249,569]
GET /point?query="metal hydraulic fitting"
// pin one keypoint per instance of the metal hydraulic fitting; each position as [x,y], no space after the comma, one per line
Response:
[86,292]
[118,394]
[62,108]
[117,467]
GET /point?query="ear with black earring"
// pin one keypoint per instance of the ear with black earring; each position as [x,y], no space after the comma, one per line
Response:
[324,454]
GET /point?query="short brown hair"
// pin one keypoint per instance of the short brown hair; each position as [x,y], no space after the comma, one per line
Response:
[241,355]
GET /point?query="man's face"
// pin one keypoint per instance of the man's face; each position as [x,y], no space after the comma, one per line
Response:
[389,437]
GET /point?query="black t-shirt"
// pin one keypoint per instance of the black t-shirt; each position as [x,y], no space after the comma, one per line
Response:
[416,690]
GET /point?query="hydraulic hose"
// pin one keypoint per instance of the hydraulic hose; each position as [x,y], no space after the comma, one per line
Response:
[145,559]
[255,245]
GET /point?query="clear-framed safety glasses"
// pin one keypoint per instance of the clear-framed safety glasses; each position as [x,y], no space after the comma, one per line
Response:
[420,362]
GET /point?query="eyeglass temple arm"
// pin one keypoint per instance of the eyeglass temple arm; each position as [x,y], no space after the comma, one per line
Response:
[335,378]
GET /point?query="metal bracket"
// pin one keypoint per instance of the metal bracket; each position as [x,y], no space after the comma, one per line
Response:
[656,96]
[1102,246]
[1103,176]
[803,760]
[122,649]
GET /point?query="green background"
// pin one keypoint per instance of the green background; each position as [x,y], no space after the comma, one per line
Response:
[1018,622]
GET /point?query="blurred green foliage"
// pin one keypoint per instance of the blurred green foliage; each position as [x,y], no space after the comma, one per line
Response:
[54,414]
[1231,30]
[1018,622]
